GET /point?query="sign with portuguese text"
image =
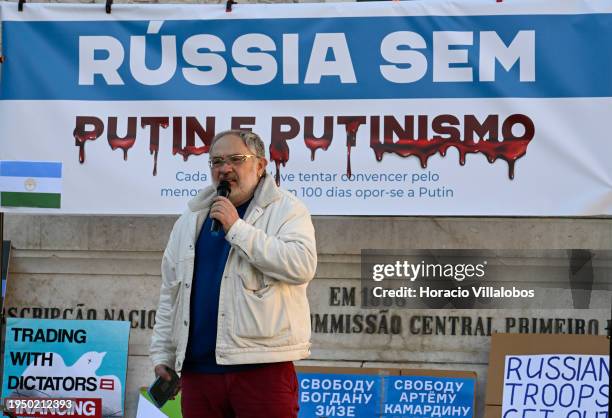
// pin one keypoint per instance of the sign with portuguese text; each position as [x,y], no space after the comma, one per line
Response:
[374,108]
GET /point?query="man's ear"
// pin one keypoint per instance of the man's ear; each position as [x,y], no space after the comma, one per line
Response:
[262,163]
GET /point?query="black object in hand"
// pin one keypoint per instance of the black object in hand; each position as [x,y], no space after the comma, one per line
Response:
[161,390]
[222,190]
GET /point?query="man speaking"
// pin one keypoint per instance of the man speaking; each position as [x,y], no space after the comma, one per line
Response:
[233,311]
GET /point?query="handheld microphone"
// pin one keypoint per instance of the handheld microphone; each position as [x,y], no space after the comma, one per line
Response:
[222,190]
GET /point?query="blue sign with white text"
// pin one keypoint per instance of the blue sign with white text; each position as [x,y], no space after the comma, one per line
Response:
[385,57]
[428,396]
[339,395]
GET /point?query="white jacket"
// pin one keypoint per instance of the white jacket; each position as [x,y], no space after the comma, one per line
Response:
[263,310]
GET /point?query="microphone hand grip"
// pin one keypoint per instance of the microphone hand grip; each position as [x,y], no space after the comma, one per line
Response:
[222,190]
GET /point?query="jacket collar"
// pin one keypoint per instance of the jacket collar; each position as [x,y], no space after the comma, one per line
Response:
[265,193]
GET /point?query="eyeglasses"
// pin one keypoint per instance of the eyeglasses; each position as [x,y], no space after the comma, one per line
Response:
[233,160]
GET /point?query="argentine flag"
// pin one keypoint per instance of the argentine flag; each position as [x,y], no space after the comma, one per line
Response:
[34,184]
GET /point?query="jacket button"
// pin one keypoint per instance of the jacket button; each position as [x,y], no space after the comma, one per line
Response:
[187,285]
[186,323]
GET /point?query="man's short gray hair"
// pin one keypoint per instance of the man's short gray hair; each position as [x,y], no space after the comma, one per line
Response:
[250,139]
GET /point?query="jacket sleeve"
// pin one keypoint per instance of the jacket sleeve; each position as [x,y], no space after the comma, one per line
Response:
[290,255]
[162,350]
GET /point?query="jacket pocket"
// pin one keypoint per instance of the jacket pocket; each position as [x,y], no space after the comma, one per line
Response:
[260,312]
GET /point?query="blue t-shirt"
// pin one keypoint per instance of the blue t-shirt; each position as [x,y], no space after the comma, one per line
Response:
[211,253]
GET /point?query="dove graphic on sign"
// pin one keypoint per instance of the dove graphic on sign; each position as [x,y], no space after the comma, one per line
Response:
[50,376]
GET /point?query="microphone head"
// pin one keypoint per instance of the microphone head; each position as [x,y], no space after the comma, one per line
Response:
[223,189]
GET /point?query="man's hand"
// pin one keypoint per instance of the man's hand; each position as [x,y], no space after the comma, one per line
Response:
[224,211]
[162,371]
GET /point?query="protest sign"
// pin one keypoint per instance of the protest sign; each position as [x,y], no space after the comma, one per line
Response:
[563,346]
[67,359]
[429,396]
[556,386]
[339,395]
[147,409]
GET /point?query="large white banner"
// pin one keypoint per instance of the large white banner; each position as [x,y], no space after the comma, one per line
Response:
[384,108]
